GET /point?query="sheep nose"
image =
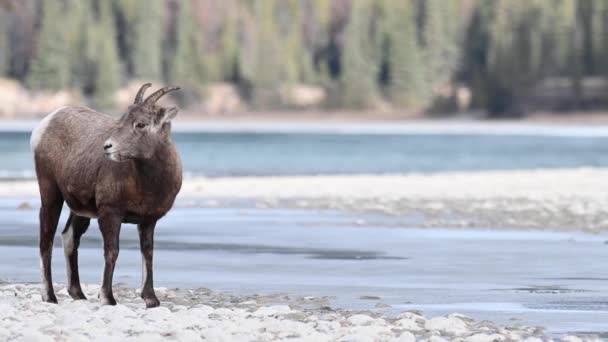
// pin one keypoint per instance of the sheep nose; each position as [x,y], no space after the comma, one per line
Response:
[107,146]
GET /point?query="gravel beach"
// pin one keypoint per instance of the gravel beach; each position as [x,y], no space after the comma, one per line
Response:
[566,199]
[197,315]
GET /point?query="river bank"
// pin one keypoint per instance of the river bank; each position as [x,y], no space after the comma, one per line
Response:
[566,199]
[200,314]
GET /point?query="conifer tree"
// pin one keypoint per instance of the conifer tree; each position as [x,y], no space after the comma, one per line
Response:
[441,38]
[147,38]
[186,65]
[266,70]
[50,69]
[4,46]
[358,65]
[515,55]
[319,39]
[108,69]
[407,72]
[81,43]
[295,56]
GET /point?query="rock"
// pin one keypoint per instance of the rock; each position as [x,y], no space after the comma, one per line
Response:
[248,303]
[356,338]
[223,312]
[485,338]
[360,320]
[273,310]
[201,311]
[16,100]
[303,96]
[35,336]
[437,339]
[12,97]
[223,98]
[370,298]
[157,314]
[406,336]
[409,324]
[448,325]
[46,102]
[411,314]
[24,206]
[571,339]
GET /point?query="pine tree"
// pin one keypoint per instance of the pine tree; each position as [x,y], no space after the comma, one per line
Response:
[107,71]
[599,26]
[295,56]
[407,86]
[147,37]
[441,37]
[265,69]
[187,64]
[81,38]
[358,65]
[516,57]
[50,69]
[230,51]
[4,46]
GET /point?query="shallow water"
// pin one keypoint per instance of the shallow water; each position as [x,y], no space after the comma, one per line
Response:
[266,153]
[555,280]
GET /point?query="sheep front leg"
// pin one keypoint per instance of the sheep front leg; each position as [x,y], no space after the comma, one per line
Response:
[109,224]
[146,243]
[74,228]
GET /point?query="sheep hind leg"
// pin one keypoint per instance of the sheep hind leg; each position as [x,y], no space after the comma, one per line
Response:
[73,231]
[50,210]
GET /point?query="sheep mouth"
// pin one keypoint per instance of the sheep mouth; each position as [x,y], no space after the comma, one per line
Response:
[115,156]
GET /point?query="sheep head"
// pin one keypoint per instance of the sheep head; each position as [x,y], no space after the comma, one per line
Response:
[144,127]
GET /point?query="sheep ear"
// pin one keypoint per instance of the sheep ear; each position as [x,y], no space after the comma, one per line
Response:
[166,115]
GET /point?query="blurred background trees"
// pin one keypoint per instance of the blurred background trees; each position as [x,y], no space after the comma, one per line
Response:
[503,57]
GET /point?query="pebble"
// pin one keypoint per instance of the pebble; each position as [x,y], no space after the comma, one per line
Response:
[485,338]
[448,325]
[272,310]
[571,339]
[406,336]
[360,320]
[409,324]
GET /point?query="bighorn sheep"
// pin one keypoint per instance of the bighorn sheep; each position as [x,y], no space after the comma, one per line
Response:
[116,170]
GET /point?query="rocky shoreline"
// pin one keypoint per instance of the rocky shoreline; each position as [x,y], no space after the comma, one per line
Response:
[565,200]
[200,314]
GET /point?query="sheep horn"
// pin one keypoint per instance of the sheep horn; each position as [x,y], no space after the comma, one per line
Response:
[158,94]
[140,94]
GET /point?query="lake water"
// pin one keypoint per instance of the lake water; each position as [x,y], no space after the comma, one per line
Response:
[555,280]
[271,153]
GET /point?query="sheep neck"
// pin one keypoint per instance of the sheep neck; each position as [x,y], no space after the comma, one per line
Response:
[160,170]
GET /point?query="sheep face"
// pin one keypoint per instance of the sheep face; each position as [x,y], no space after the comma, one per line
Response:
[139,132]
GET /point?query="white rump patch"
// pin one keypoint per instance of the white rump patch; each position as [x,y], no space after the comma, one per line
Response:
[38,132]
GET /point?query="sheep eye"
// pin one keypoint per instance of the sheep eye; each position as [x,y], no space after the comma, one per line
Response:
[140,125]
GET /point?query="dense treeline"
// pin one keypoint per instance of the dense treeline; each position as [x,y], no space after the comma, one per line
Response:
[509,55]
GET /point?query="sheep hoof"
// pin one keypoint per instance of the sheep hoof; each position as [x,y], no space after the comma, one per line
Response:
[108,300]
[77,294]
[49,298]
[151,302]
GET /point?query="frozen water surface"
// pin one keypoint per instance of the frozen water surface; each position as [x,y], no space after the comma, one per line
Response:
[555,280]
